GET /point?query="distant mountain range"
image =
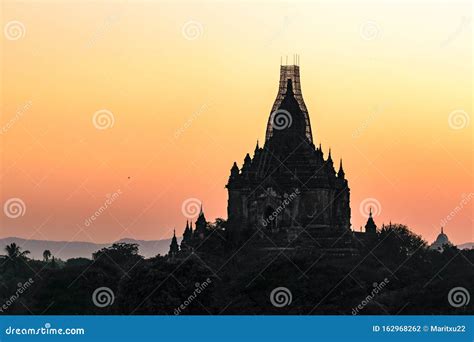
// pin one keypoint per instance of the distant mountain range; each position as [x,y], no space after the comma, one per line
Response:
[467,245]
[75,249]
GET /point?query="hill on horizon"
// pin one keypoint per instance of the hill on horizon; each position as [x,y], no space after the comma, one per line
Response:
[82,249]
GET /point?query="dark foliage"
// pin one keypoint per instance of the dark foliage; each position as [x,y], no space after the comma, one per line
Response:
[222,279]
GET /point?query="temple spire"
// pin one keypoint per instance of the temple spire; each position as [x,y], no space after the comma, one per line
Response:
[341,174]
[292,73]
[289,87]
[370,226]
[174,248]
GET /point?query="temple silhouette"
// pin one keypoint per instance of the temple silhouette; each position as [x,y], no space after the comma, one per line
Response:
[288,192]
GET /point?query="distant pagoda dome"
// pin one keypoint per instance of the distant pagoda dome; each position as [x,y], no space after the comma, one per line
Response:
[441,240]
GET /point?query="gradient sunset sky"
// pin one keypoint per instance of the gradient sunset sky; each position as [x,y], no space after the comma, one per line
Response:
[188,87]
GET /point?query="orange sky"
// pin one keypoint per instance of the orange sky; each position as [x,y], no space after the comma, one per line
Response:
[190,85]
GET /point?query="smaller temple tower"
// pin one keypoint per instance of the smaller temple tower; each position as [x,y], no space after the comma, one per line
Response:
[187,237]
[174,248]
[192,239]
[370,226]
[201,226]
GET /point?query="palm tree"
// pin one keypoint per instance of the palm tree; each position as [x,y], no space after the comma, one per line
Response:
[46,255]
[15,255]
